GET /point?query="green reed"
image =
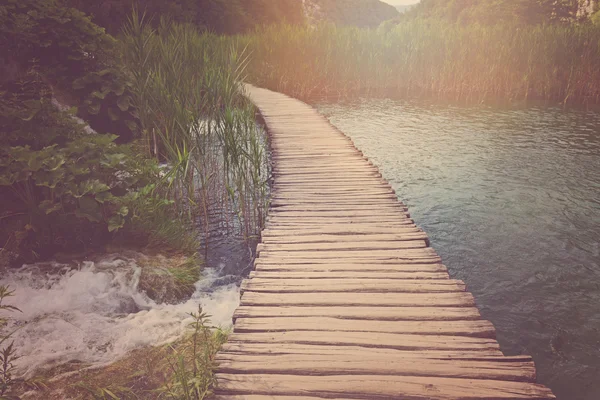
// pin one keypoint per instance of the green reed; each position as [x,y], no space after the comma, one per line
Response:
[188,93]
[434,58]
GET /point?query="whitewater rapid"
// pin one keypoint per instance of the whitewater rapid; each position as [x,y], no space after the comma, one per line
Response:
[95,313]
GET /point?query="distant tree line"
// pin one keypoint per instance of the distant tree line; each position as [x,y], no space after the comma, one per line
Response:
[499,11]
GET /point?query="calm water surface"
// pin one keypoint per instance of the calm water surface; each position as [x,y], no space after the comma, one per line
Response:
[511,202]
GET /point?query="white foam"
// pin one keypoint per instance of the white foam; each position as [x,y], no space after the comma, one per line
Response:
[96,314]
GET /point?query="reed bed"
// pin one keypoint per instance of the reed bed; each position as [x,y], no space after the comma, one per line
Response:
[188,95]
[474,63]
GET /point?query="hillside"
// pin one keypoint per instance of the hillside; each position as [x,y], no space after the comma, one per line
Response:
[361,13]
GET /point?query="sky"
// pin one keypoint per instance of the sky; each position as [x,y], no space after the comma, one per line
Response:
[400,2]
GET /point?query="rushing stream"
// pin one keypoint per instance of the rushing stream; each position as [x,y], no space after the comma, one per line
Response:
[95,313]
[511,201]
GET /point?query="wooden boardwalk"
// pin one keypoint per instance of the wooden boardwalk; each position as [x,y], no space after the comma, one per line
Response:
[347,300]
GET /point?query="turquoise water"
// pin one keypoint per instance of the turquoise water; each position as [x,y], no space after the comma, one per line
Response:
[511,201]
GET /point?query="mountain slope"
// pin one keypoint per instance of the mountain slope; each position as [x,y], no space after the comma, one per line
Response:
[362,13]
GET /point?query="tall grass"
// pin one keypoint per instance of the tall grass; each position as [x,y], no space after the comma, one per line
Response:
[187,90]
[435,58]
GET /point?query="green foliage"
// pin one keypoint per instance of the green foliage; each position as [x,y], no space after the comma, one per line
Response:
[105,100]
[416,57]
[192,366]
[45,32]
[595,18]
[88,182]
[8,352]
[187,94]
[221,16]
[28,117]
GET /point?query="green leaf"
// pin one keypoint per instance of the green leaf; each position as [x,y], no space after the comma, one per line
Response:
[123,103]
[123,211]
[89,209]
[94,108]
[113,113]
[92,187]
[131,125]
[115,223]
[55,162]
[49,178]
[104,197]
[48,207]
[99,95]
[112,160]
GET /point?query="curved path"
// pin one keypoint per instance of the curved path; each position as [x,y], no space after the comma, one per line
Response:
[348,301]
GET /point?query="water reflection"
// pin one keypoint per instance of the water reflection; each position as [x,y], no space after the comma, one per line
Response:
[511,201]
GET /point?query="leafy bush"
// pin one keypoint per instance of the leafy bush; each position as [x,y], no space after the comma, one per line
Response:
[71,195]
[45,32]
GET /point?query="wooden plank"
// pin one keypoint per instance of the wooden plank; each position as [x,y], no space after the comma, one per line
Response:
[377,340]
[358,267]
[277,238]
[339,230]
[351,286]
[377,274]
[453,328]
[381,387]
[425,254]
[365,313]
[360,364]
[332,212]
[345,245]
[457,299]
[480,354]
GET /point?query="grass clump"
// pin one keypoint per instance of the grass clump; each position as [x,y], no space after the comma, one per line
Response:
[178,371]
[169,280]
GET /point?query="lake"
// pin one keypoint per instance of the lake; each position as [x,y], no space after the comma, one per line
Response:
[511,201]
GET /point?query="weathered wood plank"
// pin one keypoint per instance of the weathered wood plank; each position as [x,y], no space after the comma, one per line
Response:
[344,245]
[457,299]
[381,387]
[453,328]
[287,274]
[359,267]
[271,239]
[367,313]
[372,340]
[353,364]
[351,286]
[479,354]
